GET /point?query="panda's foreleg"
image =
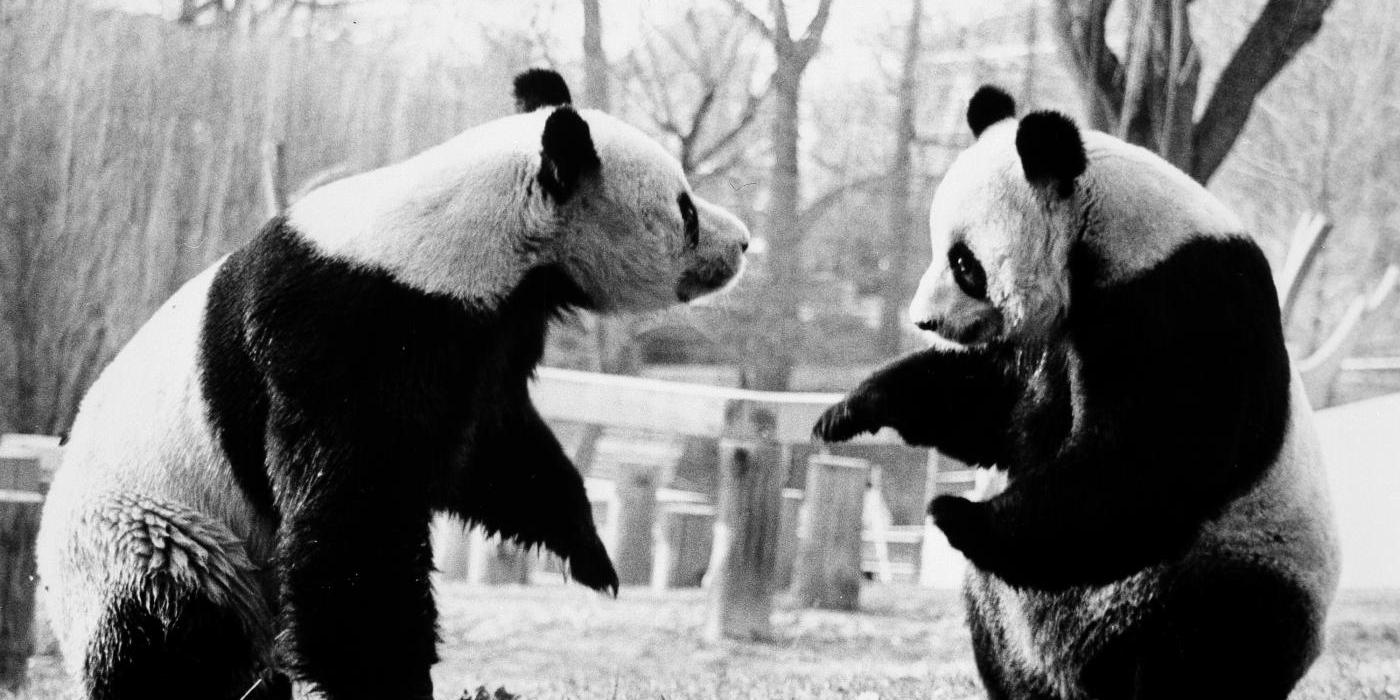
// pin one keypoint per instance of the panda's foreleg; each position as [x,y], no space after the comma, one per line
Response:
[959,402]
[523,486]
[357,612]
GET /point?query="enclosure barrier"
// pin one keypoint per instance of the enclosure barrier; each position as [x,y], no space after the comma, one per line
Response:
[21,496]
[754,429]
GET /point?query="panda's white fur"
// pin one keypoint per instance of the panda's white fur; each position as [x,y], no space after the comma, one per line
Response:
[151,529]
[448,220]
[116,512]
[1050,243]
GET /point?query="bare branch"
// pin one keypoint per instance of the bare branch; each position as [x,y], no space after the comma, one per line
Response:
[746,118]
[754,20]
[812,38]
[1283,27]
[1081,27]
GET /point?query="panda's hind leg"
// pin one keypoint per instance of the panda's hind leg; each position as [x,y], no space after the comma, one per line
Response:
[184,616]
[202,652]
[1230,629]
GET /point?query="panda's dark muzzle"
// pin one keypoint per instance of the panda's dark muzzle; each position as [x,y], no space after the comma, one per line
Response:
[703,279]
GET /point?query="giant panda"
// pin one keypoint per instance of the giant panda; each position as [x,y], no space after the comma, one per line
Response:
[247,487]
[1106,333]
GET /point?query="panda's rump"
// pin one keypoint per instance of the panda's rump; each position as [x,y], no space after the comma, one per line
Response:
[141,447]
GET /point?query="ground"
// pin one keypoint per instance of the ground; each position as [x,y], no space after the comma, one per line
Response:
[556,641]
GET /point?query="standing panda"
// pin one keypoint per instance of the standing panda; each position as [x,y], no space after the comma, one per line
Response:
[1108,336]
[247,489]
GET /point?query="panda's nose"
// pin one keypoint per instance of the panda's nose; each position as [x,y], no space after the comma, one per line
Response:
[744,245]
[927,324]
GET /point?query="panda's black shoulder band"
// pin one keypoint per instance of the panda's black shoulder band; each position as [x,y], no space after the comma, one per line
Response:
[989,105]
[1051,150]
[540,87]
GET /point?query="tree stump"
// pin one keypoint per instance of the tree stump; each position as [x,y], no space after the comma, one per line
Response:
[744,555]
[827,573]
[636,512]
[20,504]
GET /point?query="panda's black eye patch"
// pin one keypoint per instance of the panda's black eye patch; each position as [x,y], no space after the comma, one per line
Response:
[967,272]
[691,219]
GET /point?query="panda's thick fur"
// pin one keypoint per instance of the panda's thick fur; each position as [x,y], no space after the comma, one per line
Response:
[1107,334]
[246,492]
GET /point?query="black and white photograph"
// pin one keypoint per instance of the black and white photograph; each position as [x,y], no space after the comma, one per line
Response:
[699,350]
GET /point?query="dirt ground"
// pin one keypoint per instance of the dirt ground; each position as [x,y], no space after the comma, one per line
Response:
[557,641]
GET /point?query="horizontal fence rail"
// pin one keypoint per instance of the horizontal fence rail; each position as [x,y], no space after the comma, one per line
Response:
[697,410]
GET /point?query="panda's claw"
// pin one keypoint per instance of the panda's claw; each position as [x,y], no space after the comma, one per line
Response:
[590,565]
[840,423]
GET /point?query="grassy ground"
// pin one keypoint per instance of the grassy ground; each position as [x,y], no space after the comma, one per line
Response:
[552,641]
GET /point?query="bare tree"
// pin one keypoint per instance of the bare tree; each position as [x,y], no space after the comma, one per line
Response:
[691,81]
[1148,95]
[769,365]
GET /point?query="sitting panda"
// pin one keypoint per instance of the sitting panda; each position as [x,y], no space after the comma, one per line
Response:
[247,488]
[1108,336]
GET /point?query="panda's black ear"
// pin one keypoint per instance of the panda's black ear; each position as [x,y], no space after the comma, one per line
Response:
[1051,150]
[540,87]
[566,153]
[989,105]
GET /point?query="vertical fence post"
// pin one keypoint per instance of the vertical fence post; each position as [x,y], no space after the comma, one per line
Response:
[636,509]
[827,573]
[682,544]
[787,538]
[20,503]
[744,555]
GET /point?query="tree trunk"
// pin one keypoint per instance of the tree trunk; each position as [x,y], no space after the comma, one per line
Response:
[595,62]
[771,363]
[1149,96]
[900,222]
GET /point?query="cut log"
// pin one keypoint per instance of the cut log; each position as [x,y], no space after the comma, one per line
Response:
[827,573]
[743,560]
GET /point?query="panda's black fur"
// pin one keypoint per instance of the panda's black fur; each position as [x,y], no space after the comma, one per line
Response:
[1154,540]
[247,492]
[463,438]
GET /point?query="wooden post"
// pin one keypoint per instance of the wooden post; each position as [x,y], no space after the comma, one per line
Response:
[787,538]
[636,501]
[20,503]
[827,573]
[682,544]
[744,554]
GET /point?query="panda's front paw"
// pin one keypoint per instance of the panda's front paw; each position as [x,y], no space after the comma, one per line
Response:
[589,565]
[966,525]
[845,420]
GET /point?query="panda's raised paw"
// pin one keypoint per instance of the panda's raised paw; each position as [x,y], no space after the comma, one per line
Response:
[964,523]
[843,421]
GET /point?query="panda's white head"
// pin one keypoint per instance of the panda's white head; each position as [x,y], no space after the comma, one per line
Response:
[1011,208]
[549,186]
